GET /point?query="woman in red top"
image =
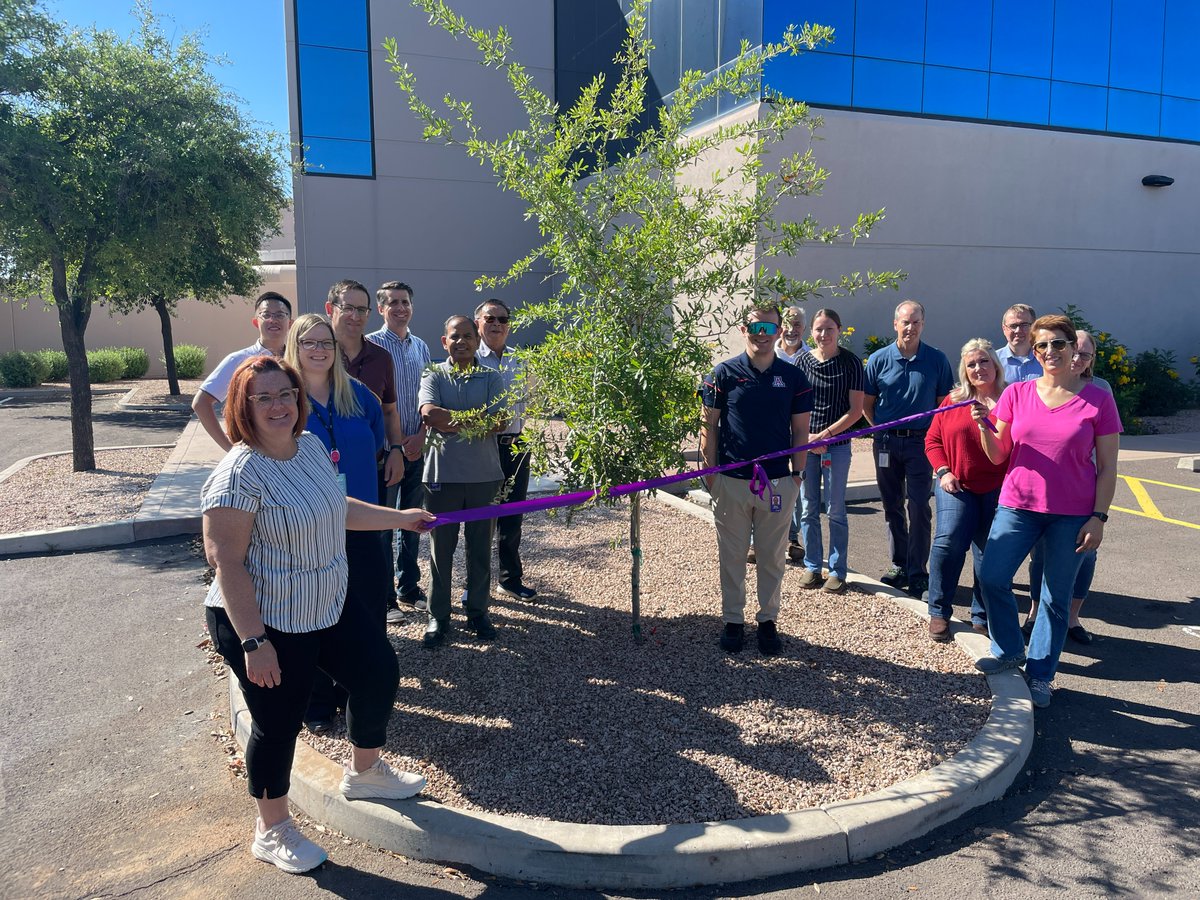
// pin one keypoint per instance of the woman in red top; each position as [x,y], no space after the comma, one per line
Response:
[967,487]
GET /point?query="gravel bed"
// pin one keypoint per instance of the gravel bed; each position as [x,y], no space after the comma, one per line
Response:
[47,494]
[564,717]
[156,392]
[1186,421]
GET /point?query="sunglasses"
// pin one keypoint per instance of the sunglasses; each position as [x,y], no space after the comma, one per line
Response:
[768,328]
[503,320]
[1058,344]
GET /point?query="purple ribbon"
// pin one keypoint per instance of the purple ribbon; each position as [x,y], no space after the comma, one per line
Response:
[759,483]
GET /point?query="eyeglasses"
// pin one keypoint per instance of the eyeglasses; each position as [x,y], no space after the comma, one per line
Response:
[353,310]
[276,316]
[307,344]
[1058,344]
[1017,326]
[768,328]
[288,397]
[1085,357]
[503,320]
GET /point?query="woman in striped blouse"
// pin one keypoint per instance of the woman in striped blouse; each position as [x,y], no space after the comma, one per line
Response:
[275,518]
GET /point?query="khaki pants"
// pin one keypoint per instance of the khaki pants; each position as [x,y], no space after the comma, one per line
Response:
[739,512]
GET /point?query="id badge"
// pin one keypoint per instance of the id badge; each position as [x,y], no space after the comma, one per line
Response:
[826,460]
[776,502]
[342,483]
[883,459]
[433,486]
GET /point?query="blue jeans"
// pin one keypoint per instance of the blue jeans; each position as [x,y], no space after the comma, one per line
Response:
[407,493]
[1083,580]
[1014,533]
[963,522]
[835,502]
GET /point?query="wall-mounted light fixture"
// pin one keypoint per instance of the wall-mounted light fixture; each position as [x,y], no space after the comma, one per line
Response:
[1158,181]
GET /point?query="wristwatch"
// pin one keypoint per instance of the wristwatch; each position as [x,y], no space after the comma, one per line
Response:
[252,644]
[1103,517]
[399,447]
[944,470]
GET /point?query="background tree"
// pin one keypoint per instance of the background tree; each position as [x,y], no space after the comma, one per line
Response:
[652,259]
[93,159]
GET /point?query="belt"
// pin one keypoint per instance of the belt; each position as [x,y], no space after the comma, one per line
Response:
[507,440]
[907,432]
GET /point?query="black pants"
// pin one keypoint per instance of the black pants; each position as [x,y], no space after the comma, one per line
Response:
[369,587]
[354,652]
[508,528]
[905,488]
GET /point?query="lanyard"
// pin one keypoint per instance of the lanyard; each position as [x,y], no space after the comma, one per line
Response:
[316,409]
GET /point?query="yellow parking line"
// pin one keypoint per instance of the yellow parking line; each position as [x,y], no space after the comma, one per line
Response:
[1158,518]
[1182,487]
[1143,498]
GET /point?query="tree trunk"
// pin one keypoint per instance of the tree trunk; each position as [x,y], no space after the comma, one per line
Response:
[164,318]
[73,315]
[635,550]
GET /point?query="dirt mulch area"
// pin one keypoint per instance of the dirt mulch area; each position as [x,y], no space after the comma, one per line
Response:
[48,494]
[155,392]
[564,717]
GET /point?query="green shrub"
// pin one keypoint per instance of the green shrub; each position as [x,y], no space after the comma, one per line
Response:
[56,363]
[105,366]
[872,343]
[137,361]
[189,360]
[1163,394]
[19,369]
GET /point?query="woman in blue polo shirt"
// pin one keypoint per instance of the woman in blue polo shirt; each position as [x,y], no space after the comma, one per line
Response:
[348,419]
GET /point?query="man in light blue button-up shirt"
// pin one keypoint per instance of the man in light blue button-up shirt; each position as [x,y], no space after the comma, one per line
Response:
[1017,362]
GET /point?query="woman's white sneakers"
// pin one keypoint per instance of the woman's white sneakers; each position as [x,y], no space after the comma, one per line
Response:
[380,783]
[286,847]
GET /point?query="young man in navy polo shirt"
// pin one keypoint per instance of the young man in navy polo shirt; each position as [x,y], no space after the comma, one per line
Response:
[754,404]
[902,379]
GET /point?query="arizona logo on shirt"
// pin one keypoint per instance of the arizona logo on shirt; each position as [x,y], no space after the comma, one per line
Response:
[778,382]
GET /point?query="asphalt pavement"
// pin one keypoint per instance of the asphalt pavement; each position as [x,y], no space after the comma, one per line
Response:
[112,783]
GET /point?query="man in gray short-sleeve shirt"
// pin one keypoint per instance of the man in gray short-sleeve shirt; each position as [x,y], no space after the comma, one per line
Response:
[460,474]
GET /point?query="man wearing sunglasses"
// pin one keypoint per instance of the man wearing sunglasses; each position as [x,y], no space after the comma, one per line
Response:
[1016,356]
[272,318]
[902,379]
[492,320]
[754,404]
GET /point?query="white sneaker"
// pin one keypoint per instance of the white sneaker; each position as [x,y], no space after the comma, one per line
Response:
[381,783]
[286,847]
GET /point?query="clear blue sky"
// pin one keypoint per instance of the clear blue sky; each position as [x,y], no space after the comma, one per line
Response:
[249,33]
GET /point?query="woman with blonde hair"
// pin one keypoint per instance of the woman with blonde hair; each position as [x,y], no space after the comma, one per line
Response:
[966,487]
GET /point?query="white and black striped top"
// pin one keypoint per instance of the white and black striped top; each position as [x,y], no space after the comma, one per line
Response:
[832,381]
[297,553]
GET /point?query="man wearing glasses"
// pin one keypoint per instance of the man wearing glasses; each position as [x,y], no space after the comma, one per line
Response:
[754,404]
[1016,356]
[492,320]
[410,356]
[272,318]
[349,306]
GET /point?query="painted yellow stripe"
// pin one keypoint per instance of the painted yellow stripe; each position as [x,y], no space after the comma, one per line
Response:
[1182,487]
[1142,497]
[1158,518]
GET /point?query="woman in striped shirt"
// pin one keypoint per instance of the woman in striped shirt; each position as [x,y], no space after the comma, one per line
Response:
[275,518]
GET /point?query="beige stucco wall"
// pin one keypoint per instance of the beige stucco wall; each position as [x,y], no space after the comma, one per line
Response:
[34,326]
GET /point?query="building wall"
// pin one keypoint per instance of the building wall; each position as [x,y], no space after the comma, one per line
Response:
[431,216]
[981,216]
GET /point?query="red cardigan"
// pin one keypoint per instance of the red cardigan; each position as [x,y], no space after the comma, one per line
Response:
[953,440]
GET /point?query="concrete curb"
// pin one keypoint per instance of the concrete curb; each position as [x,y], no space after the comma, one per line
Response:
[619,857]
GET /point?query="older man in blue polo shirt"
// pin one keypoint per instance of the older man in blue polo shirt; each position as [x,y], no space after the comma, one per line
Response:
[903,379]
[754,404]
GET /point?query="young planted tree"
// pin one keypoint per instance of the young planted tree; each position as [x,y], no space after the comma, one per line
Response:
[94,155]
[652,260]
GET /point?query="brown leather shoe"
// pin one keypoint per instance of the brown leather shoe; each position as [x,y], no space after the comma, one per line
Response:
[751,557]
[939,630]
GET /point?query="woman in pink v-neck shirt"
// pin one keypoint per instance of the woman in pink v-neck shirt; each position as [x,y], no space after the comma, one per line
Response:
[1047,430]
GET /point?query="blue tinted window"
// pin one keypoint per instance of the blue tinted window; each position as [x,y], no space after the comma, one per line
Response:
[739,21]
[958,33]
[1081,36]
[323,156]
[1015,99]
[812,77]
[699,35]
[332,24]
[879,84]
[1021,32]
[955,92]
[838,14]
[1078,105]
[663,29]
[890,29]
[1133,113]
[1181,61]
[1181,118]
[335,90]
[1137,43]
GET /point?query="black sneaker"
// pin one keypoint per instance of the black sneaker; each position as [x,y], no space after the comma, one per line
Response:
[733,638]
[769,643]
[436,633]
[918,585]
[520,592]
[415,598]
[895,577]
[482,626]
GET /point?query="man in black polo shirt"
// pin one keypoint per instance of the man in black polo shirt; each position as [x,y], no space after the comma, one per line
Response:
[754,403]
